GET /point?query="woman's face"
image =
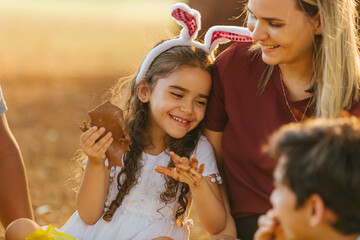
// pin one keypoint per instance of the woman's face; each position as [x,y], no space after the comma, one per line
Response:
[284,32]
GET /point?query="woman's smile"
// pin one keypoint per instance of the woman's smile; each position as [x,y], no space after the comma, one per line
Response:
[268,48]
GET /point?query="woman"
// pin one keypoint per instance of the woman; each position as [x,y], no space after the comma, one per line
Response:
[304,63]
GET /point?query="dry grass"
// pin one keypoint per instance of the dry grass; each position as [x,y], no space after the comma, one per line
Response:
[57,58]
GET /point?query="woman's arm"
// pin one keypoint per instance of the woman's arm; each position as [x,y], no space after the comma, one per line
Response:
[14,194]
[94,187]
[229,232]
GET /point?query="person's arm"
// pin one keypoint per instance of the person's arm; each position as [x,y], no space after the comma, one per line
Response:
[14,193]
[94,187]
[206,194]
[229,232]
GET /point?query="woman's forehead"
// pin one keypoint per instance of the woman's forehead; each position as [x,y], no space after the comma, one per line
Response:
[272,8]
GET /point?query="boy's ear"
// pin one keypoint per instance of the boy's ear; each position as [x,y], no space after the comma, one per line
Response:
[317,209]
[144,92]
[316,21]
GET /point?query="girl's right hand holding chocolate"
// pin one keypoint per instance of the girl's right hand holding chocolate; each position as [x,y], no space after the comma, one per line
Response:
[94,147]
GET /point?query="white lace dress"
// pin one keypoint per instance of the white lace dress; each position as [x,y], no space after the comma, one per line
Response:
[142,215]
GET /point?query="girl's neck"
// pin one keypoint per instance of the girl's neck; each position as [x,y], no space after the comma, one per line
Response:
[153,150]
[157,145]
[297,80]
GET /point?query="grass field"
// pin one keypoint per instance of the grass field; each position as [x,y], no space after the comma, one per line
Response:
[57,60]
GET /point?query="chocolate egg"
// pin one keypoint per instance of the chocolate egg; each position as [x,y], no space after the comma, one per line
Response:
[110,117]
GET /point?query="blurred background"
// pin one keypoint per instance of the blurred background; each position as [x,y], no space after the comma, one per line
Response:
[58,59]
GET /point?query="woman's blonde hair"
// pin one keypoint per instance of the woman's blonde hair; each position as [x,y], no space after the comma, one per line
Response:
[336,57]
[336,64]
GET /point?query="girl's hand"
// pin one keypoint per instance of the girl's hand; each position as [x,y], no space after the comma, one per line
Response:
[94,147]
[186,171]
[269,228]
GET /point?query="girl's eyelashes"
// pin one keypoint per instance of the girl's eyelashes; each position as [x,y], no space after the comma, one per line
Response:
[178,95]
[201,102]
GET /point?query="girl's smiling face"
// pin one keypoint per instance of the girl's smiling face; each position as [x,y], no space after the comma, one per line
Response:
[177,102]
[284,32]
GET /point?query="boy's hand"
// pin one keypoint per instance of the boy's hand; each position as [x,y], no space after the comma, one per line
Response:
[185,171]
[94,147]
[269,228]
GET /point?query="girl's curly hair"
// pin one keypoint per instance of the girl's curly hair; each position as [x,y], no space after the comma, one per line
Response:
[137,121]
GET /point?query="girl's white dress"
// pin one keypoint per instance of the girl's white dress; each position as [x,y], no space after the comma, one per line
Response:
[142,215]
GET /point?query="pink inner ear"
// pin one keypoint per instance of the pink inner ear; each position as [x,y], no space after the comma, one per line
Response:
[231,36]
[185,17]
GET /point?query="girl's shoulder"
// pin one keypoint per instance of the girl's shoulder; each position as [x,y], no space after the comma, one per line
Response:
[205,155]
[204,143]
[204,148]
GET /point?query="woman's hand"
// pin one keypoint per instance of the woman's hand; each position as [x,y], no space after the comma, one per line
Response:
[94,147]
[186,171]
[269,228]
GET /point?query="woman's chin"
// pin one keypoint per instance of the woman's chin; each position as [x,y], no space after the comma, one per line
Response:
[269,60]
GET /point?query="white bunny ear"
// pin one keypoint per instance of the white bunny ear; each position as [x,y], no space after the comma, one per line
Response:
[188,18]
[224,34]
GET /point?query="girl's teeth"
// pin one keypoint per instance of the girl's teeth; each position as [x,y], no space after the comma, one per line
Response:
[179,120]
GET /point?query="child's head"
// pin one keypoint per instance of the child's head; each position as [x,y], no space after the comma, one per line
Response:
[317,178]
[174,93]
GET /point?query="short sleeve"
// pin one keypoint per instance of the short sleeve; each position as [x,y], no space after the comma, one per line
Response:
[3,107]
[205,154]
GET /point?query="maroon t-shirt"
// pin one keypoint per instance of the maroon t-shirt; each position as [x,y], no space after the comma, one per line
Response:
[247,119]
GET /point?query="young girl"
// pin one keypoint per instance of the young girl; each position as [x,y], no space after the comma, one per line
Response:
[163,118]
[164,114]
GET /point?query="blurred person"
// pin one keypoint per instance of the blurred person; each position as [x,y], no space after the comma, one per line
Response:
[304,63]
[317,182]
[170,164]
[14,193]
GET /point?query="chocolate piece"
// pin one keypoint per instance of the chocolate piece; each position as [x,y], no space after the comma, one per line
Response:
[110,117]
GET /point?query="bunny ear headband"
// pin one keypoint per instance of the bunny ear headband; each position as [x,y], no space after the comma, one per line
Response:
[189,19]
